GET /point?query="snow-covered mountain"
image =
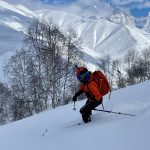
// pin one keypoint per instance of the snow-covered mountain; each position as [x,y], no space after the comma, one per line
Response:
[140,22]
[122,17]
[100,35]
[57,129]
[147,25]
[13,23]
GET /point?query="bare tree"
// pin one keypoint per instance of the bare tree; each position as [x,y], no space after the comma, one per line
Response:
[41,72]
[146,60]
[56,52]
[130,59]
[18,76]
[5,101]
[72,54]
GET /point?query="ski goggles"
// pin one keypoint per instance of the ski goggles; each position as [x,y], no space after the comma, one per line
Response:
[82,76]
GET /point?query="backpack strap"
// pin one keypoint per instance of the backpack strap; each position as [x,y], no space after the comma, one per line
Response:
[109,94]
[103,106]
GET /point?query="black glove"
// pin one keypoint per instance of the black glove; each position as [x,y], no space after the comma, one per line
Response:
[74,98]
[76,95]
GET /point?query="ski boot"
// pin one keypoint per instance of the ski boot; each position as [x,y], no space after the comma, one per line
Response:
[86,118]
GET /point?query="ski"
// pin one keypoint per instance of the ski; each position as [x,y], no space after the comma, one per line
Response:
[119,113]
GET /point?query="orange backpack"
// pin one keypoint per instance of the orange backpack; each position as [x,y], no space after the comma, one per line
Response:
[102,82]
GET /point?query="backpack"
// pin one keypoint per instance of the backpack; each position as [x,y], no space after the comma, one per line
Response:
[102,82]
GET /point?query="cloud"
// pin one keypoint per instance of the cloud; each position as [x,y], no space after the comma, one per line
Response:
[39,4]
[126,2]
[79,6]
[131,3]
[144,5]
[31,4]
[89,8]
[76,4]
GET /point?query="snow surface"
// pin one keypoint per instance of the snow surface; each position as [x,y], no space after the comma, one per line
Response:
[57,129]
[101,35]
[13,23]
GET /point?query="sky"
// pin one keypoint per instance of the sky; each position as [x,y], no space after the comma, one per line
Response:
[138,8]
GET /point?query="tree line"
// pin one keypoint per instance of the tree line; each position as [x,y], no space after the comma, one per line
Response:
[133,68]
[41,74]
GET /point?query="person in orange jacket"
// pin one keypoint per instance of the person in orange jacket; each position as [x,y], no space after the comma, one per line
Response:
[91,90]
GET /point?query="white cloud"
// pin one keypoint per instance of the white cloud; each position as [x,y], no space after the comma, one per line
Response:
[39,4]
[90,8]
[141,5]
[31,4]
[78,6]
[87,2]
[146,4]
[126,2]
[130,4]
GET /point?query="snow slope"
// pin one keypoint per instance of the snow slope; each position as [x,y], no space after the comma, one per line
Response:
[13,23]
[147,24]
[101,35]
[56,129]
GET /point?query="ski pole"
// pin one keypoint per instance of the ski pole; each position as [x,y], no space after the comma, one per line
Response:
[74,108]
[113,112]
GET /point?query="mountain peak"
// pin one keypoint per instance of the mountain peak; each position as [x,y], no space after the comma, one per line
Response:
[122,17]
[147,25]
[19,9]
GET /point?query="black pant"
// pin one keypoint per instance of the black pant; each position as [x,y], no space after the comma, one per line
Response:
[88,107]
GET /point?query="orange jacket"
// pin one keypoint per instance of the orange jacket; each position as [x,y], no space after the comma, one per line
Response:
[92,90]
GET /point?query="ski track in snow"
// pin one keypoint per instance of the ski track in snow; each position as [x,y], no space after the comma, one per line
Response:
[57,128]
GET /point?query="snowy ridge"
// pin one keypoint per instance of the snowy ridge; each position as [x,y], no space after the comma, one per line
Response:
[13,23]
[147,25]
[57,129]
[100,35]
[122,17]
[16,8]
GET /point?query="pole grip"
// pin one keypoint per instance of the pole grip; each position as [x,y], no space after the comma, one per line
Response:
[74,108]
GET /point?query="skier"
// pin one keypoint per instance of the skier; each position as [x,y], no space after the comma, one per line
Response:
[91,90]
